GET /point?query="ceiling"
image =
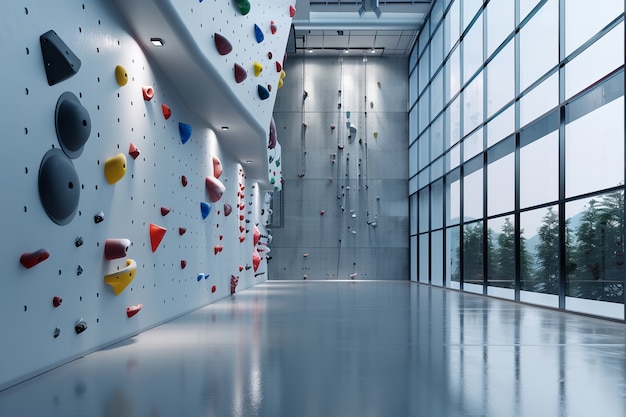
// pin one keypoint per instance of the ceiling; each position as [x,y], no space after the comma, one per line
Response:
[340,27]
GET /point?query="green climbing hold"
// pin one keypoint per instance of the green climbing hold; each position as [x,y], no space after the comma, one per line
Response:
[244,6]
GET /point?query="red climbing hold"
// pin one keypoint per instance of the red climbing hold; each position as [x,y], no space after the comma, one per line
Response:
[241,229]
[115,248]
[156,235]
[148,92]
[133,151]
[292,11]
[273,28]
[217,249]
[242,206]
[240,268]
[240,73]
[217,167]
[279,67]
[132,310]
[165,211]
[241,218]
[183,264]
[221,237]
[256,260]
[215,188]
[31,259]
[227,209]
[56,301]
[257,235]
[183,180]
[241,239]
[182,230]
[167,112]
[213,288]
[223,46]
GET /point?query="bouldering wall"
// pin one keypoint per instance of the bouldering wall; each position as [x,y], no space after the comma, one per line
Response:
[122,207]
[344,212]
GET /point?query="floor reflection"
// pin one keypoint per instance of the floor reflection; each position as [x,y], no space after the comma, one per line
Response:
[349,349]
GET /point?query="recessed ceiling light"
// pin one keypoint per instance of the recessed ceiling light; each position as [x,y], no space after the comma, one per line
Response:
[310,51]
[157,41]
[224,127]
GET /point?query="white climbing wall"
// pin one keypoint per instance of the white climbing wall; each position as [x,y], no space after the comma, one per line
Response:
[99,36]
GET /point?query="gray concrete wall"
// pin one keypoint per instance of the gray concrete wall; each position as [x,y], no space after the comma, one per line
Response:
[363,193]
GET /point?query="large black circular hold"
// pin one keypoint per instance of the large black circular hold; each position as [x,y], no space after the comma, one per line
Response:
[59,187]
[73,124]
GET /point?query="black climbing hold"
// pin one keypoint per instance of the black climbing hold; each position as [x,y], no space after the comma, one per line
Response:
[57,332]
[73,124]
[58,60]
[98,218]
[59,187]
[79,242]
[79,270]
[80,326]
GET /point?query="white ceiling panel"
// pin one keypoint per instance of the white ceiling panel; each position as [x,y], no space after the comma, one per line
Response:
[361,41]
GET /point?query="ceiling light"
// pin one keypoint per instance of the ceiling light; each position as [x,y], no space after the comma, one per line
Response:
[248,161]
[224,127]
[372,51]
[157,41]
[347,51]
[310,51]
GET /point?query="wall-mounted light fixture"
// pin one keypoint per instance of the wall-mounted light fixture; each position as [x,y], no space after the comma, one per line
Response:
[157,41]
[224,128]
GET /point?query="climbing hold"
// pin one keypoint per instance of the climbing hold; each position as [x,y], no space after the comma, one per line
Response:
[256,260]
[200,277]
[98,218]
[133,151]
[233,284]
[217,167]
[59,187]
[269,55]
[167,112]
[182,230]
[280,83]
[292,11]
[272,180]
[272,140]
[185,132]
[132,310]
[56,301]
[183,264]
[240,268]
[352,276]
[264,94]
[258,69]
[115,168]
[31,259]
[217,249]
[148,92]
[257,235]
[116,248]
[72,124]
[165,211]
[59,61]
[375,135]
[240,73]
[273,28]
[282,76]
[183,180]
[241,239]
[78,242]
[119,280]
[57,332]
[215,188]
[205,209]
[227,209]
[322,212]
[213,288]
[278,163]
[80,326]
[156,235]
[121,76]
[279,67]
[241,229]
[221,237]
[258,33]
[223,46]
[79,270]
[244,6]
[241,218]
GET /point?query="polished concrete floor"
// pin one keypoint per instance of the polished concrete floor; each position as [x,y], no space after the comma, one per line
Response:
[346,349]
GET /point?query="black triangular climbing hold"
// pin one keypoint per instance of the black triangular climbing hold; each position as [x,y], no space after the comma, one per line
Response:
[58,59]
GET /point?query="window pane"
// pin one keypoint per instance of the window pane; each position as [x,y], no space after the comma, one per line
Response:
[436,50]
[423,210]
[594,150]
[595,62]
[501,79]
[539,44]
[581,23]
[413,58]
[412,159]
[595,251]
[539,242]
[473,145]
[526,6]
[436,199]
[412,88]
[424,36]
[473,105]
[437,13]
[452,26]
[413,124]
[473,259]
[436,138]
[453,75]
[472,50]
[453,199]
[502,126]
[424,150]
[424,178]
[500,22]
[501,255]
[470,8]
[539,171]
[424,258]
[424,109]
[414,262]
[539,100]
[453,158]
[501,185]
[436,169]
[436,94]
[453,122]
[436,258]
[413,213]
[424,70]
[453,238]
[473,196]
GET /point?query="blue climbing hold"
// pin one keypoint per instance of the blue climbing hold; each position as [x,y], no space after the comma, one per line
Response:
[264,93]
[200,277]
[258,33]
[205,208]
[185,132]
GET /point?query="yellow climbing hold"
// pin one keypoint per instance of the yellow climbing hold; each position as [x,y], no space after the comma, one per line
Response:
[283,74]
[115,168]
[119,280]
[258,68]
[280,84]
[121,76]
